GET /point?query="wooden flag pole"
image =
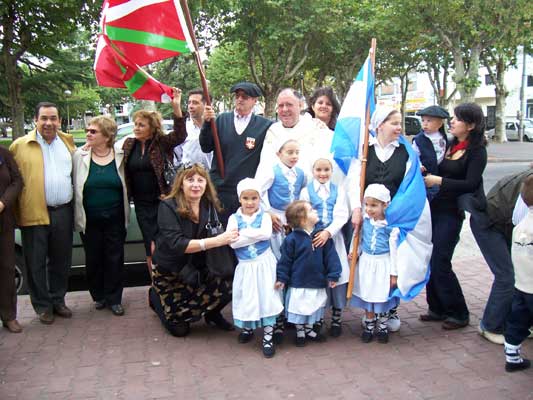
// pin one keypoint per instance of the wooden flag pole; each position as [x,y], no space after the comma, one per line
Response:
[218,151]
[355,250]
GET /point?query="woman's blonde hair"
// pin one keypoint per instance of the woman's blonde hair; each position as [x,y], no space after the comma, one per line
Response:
[210,194]
[107,126]
[155,121]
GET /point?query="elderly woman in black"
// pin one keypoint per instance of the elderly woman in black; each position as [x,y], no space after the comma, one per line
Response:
[324,106]
[181,244]
[459,173]
[10,188]
[144,157]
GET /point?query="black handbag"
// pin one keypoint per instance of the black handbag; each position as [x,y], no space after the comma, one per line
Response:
[190,275]
[221,261]
[169,170]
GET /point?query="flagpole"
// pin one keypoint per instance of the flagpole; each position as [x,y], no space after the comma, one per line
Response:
[355,250]
[218,151]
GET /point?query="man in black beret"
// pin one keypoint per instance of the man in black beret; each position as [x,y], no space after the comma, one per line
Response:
[431,143]
[241,134]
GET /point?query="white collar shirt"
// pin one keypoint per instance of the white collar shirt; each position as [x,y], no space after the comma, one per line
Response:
[241,122]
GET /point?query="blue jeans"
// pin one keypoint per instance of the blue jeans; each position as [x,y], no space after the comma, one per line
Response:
[520,318]
[444,294]
[493,246]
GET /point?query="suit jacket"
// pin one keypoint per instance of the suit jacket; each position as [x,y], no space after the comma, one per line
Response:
[10,188]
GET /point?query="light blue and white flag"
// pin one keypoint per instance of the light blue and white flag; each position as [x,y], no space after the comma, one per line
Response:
[409,211]
[349,134]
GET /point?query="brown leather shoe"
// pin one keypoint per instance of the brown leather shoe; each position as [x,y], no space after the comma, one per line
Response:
[12,326]
[62,310]
[46,318]
[451,325]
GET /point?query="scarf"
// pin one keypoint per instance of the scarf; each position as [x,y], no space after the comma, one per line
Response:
[459,146]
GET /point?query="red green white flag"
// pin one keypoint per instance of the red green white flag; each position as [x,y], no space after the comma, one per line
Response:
[136,33]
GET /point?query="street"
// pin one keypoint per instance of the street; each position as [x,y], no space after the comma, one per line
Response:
[497,170]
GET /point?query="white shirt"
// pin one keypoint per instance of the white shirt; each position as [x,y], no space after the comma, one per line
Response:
[57,171]
[519,211]
[241,121]
[522,253]
[190,152]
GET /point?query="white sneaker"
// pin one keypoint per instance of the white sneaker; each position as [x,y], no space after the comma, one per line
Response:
[393,322]
[530,333]
[495,338]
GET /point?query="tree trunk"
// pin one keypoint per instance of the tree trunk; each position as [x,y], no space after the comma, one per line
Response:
[270,105]
[16,106]
[466,79]
[501,95]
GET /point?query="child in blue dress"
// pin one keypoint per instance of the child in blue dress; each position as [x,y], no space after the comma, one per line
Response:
[376,273]
[280,186]
[306,271]
[331,204]
[256,303]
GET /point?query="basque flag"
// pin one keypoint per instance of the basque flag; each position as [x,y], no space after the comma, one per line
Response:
[348,138]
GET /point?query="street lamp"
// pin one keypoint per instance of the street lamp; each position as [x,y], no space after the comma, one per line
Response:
[67,94]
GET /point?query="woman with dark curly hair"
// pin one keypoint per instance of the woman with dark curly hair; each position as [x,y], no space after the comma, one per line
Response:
[144,157]
[180,253]
[323,105]
[459,173]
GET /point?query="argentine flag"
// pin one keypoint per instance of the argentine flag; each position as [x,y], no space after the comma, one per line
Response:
[349,133]
[409,211]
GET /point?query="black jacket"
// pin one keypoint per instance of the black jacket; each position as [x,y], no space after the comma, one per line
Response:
[175,233]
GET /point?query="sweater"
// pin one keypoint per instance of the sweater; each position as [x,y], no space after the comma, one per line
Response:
[240,153]
[303,266]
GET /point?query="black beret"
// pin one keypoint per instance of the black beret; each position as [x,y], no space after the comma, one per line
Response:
[434,111]
[251,89]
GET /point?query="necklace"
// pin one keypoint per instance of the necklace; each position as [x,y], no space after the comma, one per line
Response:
[98,155]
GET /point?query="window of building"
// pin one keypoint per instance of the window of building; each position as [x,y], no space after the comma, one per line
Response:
[488,80]
[530,80]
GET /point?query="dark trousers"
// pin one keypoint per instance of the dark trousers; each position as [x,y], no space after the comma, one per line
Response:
[520,318]
[493,246]
[103,242]
[8,292]
[48,257]
[444,295]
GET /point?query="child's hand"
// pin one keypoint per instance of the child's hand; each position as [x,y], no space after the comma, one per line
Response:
[321,238]
[393,281]
[277,226]
[332,284]
[279,285]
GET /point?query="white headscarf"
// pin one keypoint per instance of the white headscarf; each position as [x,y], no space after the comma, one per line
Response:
[380,114]
[248,184]
[378,191]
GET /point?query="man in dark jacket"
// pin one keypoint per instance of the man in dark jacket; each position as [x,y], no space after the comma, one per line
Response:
[241,134]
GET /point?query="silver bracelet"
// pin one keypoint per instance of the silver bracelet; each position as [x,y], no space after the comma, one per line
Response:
[202,244]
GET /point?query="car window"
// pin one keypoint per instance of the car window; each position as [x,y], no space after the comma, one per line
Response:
[510,126]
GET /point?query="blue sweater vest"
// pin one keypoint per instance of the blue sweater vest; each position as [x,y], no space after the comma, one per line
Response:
[319,204]
[251,251]
[375,238]
[282,193]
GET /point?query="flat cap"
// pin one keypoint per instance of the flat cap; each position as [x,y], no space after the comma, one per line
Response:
[251,89]
[434,111]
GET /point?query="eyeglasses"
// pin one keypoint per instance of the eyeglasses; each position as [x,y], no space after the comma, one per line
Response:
[92,131]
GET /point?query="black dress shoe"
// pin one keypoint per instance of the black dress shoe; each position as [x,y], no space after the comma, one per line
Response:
[216,319]
[99,305]
[62,310]
[46,318]
[451,325]
[117,309]
[513,367]
[335,330]
[430,317]
[245,337]
[178,329]
[277,338]
[299,341]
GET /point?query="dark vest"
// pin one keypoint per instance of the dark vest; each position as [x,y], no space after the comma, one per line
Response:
[390,173]
[428,158]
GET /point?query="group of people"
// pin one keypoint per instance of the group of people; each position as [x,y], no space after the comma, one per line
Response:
[285,207]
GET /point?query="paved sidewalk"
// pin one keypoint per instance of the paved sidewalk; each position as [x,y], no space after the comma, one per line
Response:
[98,356]
[510,152]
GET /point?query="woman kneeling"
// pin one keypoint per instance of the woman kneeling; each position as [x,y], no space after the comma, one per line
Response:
[183,290]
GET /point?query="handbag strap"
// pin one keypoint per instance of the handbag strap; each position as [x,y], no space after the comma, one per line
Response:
[213,213]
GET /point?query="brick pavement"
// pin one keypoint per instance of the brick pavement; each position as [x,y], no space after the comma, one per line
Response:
[98,356]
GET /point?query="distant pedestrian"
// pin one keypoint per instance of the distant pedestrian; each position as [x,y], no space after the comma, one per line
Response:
[306,271]
[256,303]
[44,211]
[521,317]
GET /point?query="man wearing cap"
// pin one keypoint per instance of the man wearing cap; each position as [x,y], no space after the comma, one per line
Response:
[241,134]
[431,143]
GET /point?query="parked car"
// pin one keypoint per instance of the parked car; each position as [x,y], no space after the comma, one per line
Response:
[127,129]
[512,130]
[413,125]
[134,253]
